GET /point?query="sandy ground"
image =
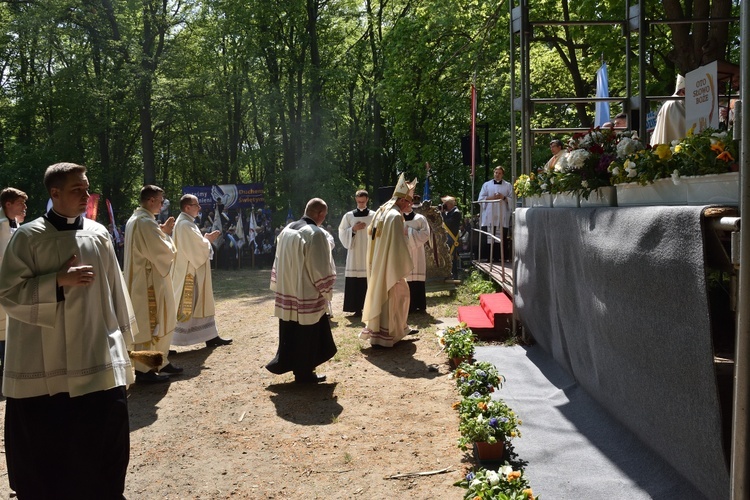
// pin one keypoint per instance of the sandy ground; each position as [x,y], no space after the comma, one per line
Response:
[228,428]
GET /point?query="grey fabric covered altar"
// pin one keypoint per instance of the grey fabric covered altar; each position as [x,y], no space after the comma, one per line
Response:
[618,297]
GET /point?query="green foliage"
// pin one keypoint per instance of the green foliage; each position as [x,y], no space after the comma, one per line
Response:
[485,420]
[503,484]
[476,284]
[479,377]
[311,98]
[458,341]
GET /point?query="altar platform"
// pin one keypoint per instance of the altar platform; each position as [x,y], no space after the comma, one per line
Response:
[618,297]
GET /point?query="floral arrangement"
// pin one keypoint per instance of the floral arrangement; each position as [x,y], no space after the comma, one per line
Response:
[479,377]
[485,420]
[504,484]
[586,166]
[644,166]
[457,341]
[708,152]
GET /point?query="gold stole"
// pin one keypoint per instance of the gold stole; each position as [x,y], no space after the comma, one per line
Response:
[185,311]
[152,310]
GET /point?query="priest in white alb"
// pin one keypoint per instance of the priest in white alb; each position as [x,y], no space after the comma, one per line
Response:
[388,264]
[149,256]
[670,122]
[70,323]
[191,280]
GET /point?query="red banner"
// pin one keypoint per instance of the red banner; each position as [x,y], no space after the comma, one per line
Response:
[473,128]
[92,207]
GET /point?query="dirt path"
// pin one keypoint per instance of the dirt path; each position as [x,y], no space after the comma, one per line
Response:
[228,428]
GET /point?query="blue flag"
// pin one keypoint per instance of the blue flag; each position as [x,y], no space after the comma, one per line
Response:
[289,215]
[426,192]
[602,90]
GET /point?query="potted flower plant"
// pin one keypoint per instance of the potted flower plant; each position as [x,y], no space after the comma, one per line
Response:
[585,169]
[458,343]
[504,484]
[487,424]
[479,377]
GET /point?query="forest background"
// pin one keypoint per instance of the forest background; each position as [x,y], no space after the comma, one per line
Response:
[309,97]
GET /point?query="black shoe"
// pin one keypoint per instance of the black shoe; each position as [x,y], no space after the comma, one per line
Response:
[312,378]
[413,331]
[172,352]
[171,369]
[150,378]
[217,341]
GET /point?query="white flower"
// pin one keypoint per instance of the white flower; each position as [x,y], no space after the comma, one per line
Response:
[493,477]
[577,158]
[627,146]
[630,169]
[616,171]
[505,470]
[676,177]
[476,483]
[585,184]
[543,187]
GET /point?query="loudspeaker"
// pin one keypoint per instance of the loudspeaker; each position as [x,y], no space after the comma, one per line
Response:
[466,150]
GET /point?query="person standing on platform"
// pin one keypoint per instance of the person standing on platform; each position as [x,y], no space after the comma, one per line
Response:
[149,257]
[388,264]
[558,151]
[302,278]
[417,232]
[496,213]
[670,122]
[12,213]
[193,288]
[353,236]
[70,324]
[452,223]
[621,121]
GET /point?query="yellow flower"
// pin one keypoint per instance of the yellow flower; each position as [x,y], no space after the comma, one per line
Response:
[456,405]
[678,148]
[691,131]
[528,493]
[512,476]
[512,434]
[482,405]
[717,146]
[663,151]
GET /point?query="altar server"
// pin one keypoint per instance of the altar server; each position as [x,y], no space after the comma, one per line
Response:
[353,236]
[70,323]
[417,232]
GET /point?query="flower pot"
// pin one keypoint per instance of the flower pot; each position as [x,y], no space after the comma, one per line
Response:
[721,189]
[487,451]
[458,360]
[661,192]
[543,200]
[601,197]
[565,200]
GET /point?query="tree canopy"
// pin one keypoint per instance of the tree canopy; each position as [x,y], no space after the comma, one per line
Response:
[310,97]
